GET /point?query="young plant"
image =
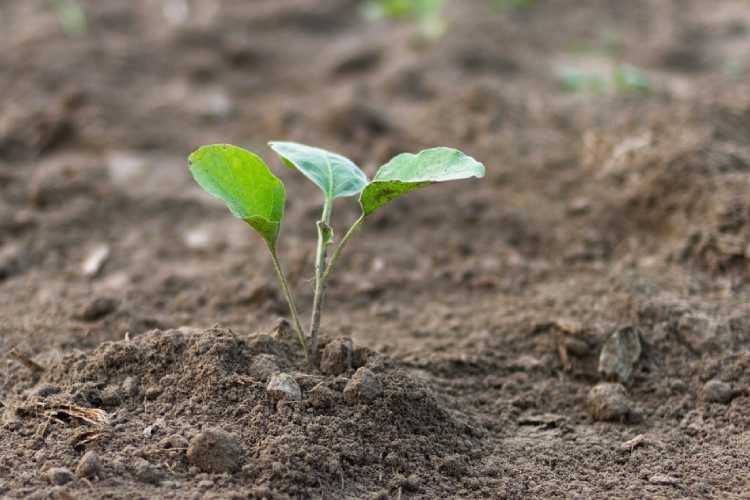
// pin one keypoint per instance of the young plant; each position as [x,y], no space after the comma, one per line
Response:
[428,14]
[244,182]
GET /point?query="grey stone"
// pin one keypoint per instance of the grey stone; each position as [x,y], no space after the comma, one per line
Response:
[619,354]
[89,466]
[663,480]
[283,386]
[363,386]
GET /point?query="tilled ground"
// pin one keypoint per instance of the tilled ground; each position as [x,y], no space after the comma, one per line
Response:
[140,323]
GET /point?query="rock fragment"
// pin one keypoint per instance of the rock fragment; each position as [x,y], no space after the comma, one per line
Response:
[363,386]
[283,386]
[663,480]
[620,354]
[89,467]
[95,260]
[215,451]
[609,403]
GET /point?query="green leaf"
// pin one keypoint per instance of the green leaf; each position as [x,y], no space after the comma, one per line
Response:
[242,180]
[336,175]
[407,172]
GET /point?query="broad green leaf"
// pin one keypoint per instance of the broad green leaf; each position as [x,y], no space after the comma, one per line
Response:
[336,175]
[407,172]
[242,180]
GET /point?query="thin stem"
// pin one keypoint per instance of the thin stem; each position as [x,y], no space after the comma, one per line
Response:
[290,300]
[320,269]
[337,253]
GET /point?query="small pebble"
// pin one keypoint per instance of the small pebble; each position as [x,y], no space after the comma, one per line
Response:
[364,385]
[336,357]
[609,403]
[716,391]
[215,451]
[152,429]
[59,475]
[283,386]
[95,260]
[89,466]
[620,354]
[412,483]
[663,479]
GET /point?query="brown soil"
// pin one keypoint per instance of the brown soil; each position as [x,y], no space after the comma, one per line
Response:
[480,308]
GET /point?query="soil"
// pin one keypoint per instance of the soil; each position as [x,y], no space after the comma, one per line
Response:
[140,323]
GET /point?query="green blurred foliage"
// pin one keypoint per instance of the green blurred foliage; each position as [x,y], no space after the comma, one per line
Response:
[72,16]
[428,14]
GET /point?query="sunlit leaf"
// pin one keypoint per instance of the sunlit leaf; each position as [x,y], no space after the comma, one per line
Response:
[407,172]
[336,175]
[242,180]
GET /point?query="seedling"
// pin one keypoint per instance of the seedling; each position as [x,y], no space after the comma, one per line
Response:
[428,14]
[626,79]
[244,182]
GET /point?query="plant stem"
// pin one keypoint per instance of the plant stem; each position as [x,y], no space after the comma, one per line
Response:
[337,253]
[320,269]
[290,300]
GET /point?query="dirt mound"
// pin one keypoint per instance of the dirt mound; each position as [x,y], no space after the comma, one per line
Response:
[166,392]
[678,184]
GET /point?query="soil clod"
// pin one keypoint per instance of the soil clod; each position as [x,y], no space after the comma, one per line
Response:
[98,308]
[263,366]
[716,391]
[336,357]
[215,451]
[59,475]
